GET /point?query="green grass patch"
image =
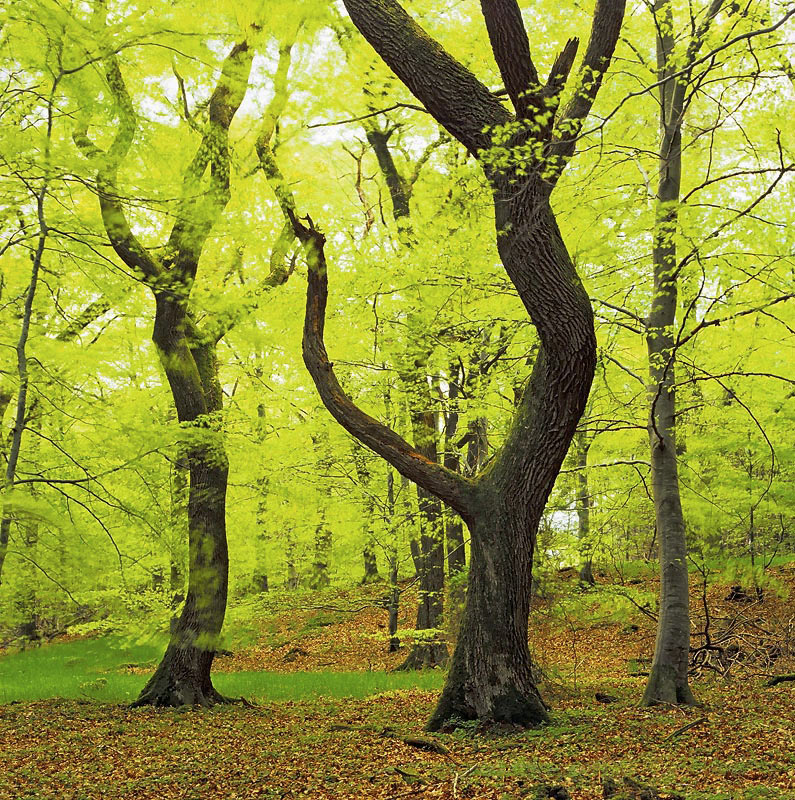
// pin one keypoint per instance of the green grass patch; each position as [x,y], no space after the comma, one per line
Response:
[95,669]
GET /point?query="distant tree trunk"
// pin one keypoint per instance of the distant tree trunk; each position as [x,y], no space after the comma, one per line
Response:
[187,355]
[454,529]
[321,554]
[293,580]
[428,554]
[582,446]
[393,598]
[426,653]
[668,680]
[370,563]
[491,675]
[179,529]
[260,578]
[369,558]
[23,374]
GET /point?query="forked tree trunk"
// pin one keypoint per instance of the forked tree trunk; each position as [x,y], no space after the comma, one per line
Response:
[491,674]
[187,356]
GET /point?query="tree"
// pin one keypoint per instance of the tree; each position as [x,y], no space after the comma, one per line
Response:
[677,86]
[188,358]
[523,156]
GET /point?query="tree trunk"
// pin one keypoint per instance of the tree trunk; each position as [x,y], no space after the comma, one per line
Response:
[582,446]
[454,525]
[183,676]
[668,681]
[429,556]
[187,355]
[491,676]
[491,672]
[370,562]
[427,653]
[393,598]
[23,374]
[369,558]
[322,554]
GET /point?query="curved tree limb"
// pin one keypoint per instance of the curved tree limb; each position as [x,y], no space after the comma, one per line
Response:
[511,49]
[452,488]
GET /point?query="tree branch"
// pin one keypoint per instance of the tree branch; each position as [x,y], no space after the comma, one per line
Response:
[457,100]
[435,478]
[605,29]
[511,50]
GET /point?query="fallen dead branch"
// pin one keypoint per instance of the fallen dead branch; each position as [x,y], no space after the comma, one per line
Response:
[777,679]
[420,742]
[685,728]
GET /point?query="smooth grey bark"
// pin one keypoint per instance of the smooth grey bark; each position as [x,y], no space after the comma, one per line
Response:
[668,677]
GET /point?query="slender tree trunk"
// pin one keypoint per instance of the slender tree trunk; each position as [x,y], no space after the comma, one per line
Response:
[426,653]
[23,374]
[370,563]
[583,445]
[454,525]
[293,579]
[429,556]
[393,598]
[369,558]
[668,680]
[321,554]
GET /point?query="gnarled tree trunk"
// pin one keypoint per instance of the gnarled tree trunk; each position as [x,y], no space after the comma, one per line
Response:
[491,676]
[187,356]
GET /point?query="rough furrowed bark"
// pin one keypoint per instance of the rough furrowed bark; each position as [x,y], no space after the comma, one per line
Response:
[182,679]
[491,673]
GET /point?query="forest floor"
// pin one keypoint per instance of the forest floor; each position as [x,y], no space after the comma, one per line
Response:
[739,745]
